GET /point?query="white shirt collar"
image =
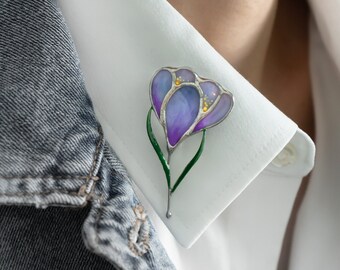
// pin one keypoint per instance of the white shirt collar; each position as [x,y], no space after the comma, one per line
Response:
[121,44]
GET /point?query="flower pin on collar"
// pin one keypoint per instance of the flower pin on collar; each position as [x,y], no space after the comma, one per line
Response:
[184,104]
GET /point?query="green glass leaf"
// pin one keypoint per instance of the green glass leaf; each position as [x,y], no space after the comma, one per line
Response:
[157,149]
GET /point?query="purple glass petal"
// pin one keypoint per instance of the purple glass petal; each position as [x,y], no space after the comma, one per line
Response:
[185,75]
[218,114]
[160,86]
[211,92]
[181,111]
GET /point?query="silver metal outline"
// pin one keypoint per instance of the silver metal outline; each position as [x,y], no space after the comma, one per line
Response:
[200,115]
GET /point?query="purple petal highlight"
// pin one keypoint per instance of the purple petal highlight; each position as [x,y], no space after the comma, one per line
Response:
[221,110]
[160,86]
[181,112]
[185,75]
[211,91]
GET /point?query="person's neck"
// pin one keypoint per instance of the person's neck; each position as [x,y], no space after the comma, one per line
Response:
[267,42]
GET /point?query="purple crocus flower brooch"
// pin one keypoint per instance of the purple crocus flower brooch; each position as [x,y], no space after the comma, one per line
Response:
[184,104]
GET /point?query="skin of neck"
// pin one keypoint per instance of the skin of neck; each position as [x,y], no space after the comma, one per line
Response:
[267,42]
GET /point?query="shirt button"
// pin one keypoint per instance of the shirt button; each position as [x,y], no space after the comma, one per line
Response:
[286,156]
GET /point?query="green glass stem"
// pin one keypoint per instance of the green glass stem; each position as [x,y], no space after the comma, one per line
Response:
[191,163]
[166,162]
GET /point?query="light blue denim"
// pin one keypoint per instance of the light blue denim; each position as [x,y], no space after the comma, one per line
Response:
[52,149]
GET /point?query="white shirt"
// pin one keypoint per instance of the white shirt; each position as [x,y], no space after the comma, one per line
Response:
[249,233]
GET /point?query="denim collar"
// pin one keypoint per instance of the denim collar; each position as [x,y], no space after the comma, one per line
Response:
[52,148]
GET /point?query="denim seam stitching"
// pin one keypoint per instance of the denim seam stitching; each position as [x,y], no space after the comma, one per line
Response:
[139,233]
[96,153]
[87,189]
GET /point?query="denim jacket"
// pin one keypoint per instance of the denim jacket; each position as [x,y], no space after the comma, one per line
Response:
[53,151]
